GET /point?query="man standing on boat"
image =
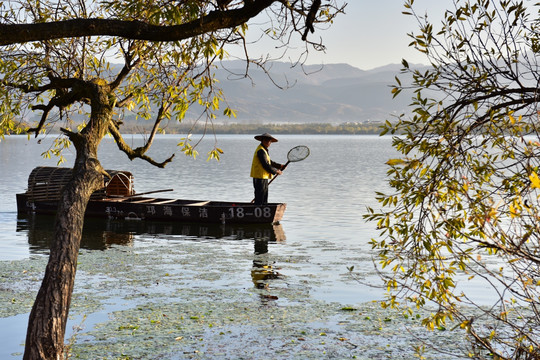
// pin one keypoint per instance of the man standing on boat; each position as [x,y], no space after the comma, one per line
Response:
[263,169]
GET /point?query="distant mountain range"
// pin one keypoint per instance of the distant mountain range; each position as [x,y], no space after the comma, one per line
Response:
[333,93]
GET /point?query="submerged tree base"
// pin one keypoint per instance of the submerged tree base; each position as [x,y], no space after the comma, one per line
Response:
[168,301]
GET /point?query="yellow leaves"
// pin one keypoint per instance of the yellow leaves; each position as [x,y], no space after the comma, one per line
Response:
[428,324]
[492,214]
[56,150]
[391,284]
[535,180]
[229,112]
[534,143]
[130,105]
[394,162]
[215,103]
[398,267]
[390,200]
[406,162]
[513,211]
[466,325]
[98,81]
[187,148]
[513,120]
[527,281]
[214,154]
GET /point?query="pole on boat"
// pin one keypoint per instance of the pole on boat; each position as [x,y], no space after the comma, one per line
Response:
[144,193]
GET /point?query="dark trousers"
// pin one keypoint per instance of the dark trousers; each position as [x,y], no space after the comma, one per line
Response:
[261,191]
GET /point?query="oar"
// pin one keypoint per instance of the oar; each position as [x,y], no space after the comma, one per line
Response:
[151,192]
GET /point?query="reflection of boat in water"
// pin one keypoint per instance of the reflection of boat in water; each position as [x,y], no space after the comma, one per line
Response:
[40,229]
[99,233]
[117,200]
[267,232]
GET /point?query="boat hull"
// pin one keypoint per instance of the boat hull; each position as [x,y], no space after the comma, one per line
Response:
[160,209]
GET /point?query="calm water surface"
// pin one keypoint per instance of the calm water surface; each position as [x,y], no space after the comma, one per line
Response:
[326,196]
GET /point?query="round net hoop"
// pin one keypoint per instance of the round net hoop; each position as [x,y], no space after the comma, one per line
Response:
[298,153]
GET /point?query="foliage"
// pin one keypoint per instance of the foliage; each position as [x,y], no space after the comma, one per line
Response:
[157,80]
[169,76]
[462,213]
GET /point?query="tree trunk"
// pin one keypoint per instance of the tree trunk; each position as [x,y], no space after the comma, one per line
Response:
[47,322]
[49,315]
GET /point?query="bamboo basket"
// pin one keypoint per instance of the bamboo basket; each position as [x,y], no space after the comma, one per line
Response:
[45,183]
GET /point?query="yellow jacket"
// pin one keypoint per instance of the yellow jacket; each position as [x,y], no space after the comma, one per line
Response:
[258,169]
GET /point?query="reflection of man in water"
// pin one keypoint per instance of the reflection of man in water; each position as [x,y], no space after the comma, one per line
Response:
[262,271]
[262,168]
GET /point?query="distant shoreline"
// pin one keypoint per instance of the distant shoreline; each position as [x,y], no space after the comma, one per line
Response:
[349,128]
[281,129]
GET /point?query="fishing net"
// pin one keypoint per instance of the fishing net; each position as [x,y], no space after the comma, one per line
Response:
[298,153]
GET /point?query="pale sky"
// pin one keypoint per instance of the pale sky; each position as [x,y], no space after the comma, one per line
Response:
[373,33]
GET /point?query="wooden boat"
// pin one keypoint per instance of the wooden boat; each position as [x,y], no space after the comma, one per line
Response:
[117,200]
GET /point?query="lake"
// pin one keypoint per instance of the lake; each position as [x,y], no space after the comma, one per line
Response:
[326,194]
[301,262]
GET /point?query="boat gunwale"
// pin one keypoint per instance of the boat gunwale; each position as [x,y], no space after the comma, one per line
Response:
[181,202]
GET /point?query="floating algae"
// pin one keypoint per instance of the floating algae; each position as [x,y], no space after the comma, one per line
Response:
[19,283]
[250,330]
[184,299]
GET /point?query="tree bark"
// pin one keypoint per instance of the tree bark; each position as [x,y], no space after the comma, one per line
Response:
[214,21]
[48,318]
[49,315]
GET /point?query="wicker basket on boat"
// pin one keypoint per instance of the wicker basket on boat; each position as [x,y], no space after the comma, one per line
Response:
[45,183]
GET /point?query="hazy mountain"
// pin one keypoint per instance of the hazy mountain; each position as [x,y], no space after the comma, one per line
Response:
[329,93]
[333,93]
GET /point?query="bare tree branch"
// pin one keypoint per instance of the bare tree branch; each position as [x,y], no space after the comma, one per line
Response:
[138,152]
[60,102]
